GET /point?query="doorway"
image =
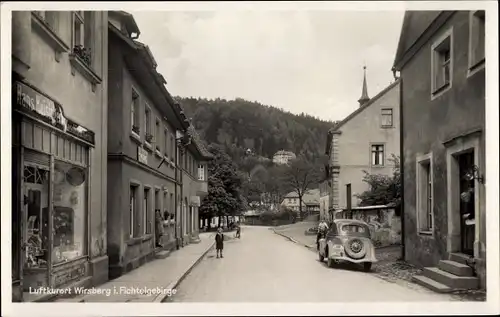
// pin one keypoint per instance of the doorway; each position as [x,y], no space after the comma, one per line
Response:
[35,246]
[467,202]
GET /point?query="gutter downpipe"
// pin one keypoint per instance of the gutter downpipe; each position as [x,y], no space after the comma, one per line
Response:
[401,167]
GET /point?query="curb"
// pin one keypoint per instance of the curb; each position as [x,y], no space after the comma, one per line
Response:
[295,241]
[161,298]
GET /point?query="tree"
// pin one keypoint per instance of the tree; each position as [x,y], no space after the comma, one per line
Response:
[383,189]
[301,176]
[224,187]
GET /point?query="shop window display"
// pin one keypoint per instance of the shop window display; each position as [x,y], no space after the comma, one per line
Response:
[36,202]
[70,212]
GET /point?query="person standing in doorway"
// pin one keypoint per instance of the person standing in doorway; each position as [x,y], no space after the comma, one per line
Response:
[219,242]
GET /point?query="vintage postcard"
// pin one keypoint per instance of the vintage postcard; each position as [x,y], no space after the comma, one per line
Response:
[249,158]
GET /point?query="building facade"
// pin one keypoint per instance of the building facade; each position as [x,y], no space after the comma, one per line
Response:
[310,201]
[283,157]
[441,59]
[156,164]
[59,139]
[365,140]
[324,199]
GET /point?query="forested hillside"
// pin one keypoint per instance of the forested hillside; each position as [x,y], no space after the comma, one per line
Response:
[238,125]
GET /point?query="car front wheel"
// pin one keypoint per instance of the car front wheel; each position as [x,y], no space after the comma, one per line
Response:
[331,262]
[367,266]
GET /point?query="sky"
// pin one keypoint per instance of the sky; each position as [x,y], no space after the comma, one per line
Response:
[300,61]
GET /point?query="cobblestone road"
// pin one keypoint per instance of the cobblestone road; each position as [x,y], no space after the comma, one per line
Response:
[265,267]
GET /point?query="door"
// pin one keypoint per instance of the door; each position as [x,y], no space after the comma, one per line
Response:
[35,216]
[467,203]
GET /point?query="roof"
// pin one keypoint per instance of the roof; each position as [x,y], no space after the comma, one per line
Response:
[129,21]
[200,146]
[283,152]
[415,28]
[310,197]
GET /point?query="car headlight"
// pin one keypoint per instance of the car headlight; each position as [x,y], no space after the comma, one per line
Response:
[338,247]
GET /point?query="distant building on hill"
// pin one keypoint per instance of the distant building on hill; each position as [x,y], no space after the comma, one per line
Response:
[283,157]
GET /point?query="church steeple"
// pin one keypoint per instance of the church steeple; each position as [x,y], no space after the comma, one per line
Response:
[364,94]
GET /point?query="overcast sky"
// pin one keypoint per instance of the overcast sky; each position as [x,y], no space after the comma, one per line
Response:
[301,61]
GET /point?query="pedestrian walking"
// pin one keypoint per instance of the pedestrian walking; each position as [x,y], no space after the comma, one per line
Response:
[219,242]
[238,231]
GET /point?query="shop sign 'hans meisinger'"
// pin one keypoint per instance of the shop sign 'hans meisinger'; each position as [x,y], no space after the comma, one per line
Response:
[43,108]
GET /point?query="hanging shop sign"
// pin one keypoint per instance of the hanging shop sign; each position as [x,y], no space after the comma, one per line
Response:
[47,110]
[142,155]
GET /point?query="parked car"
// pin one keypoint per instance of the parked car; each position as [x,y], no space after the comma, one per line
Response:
[350,241]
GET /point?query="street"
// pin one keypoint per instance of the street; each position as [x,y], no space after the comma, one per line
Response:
[265,267]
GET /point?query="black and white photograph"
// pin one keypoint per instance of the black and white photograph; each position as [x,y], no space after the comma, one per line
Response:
[249,158]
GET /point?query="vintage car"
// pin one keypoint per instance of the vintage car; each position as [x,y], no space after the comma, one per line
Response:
[347,240]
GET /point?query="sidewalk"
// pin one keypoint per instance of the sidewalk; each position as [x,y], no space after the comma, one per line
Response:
[159,277]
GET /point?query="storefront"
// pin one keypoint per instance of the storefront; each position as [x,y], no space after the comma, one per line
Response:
[50,189]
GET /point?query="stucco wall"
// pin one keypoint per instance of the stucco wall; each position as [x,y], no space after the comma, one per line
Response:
[427,124]
[130,145]
[354,145]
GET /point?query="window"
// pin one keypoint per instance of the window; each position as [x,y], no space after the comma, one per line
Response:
[172,146]
[386,117]
[78,28]
[70,212]
[147,124]
[134,112]
[83,35]
[157,135]
[172,206]
[424,195]
[165,142]
[377,155]
[50,18]
[157,206]
[201,172]
[353,229]
[146,220]
[166,215]
[133,209]
[441,63]
[476,39]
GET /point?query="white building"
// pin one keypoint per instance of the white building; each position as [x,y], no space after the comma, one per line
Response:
[283,157]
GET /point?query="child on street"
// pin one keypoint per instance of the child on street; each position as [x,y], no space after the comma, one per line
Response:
[219,242]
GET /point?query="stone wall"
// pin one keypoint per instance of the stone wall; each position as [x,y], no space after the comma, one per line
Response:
[385,226]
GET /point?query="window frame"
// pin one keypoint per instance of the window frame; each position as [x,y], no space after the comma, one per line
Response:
[424,197]
[77,17]
[201,172]
[147,125]
[135,104]
[372,145]
[166,137]
[157,136]
[476,64]
[391,115]
[133,230]
[146,215]
[436,66]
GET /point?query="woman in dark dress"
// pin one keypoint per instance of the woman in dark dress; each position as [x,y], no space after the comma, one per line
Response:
[219,242]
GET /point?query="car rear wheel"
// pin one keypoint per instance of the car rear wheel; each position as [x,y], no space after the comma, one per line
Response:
[367,266]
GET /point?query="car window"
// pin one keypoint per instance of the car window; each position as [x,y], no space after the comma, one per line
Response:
[353,228]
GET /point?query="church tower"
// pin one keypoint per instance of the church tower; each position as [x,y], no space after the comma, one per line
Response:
[364,94]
